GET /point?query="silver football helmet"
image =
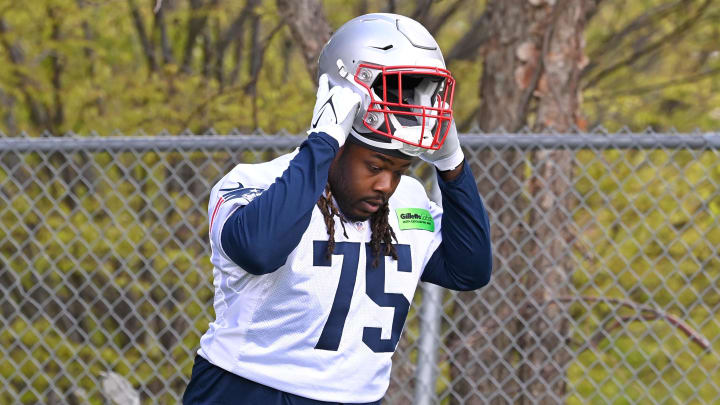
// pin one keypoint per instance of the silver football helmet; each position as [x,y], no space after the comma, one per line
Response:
[398,70]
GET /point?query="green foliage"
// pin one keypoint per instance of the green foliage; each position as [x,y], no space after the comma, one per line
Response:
[105,82]
[119,278]
[649,238]
[99,234]
[646,237]
[663,73]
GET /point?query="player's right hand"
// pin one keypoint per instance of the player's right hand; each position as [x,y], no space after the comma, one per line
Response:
[335,110]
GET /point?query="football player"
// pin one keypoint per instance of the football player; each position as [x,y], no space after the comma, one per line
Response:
[317,253]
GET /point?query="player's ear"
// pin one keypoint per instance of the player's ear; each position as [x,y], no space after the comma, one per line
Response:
[336,160]
[343,150]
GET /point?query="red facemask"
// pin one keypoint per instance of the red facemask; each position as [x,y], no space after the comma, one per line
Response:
[412,104]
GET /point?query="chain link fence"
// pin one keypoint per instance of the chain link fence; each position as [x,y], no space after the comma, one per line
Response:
[606,283]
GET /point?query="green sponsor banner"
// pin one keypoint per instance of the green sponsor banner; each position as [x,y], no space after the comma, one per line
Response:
[415,218]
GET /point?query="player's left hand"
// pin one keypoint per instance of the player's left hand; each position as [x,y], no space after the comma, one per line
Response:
[335,110]
[450,155]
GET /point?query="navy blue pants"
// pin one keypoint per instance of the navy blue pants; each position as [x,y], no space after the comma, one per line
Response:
[212,385]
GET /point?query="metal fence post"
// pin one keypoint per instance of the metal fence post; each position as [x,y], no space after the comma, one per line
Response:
[430,317]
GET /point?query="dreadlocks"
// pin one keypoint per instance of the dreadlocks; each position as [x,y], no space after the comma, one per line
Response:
[382,233]
[329,211]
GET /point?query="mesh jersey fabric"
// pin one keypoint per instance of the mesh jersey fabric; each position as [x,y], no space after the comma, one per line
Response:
[268,327]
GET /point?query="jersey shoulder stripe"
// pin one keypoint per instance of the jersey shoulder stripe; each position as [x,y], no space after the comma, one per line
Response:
[215,211]
[243,194]
[238,187]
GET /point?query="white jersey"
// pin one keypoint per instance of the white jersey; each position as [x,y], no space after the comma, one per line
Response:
[324,330]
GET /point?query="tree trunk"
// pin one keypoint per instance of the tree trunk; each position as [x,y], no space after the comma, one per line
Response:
[510,346]
[38,111]
[310,28]
[195,29]
[233,32]
[57,69]
[7,101]
[161,36]
[145,41]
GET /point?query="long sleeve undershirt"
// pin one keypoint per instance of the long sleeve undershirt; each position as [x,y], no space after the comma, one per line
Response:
[260,236]
[463,261]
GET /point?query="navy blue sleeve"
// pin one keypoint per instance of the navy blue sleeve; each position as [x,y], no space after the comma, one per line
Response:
[259,236]
[463,260]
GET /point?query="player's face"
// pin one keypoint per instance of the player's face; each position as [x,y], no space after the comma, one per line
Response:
[362,180]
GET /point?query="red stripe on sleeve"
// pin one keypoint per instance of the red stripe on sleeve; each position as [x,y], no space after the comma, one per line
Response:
[217,207]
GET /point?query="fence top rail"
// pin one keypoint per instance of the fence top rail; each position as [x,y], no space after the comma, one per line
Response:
[709,140]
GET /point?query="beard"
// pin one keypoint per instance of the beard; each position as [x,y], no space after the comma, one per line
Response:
[346,198]
[343,199]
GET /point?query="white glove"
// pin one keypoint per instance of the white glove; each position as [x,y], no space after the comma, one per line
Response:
[334,111]
[450,155]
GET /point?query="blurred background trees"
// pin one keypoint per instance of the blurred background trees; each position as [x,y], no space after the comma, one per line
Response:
[152,65]
[173,65]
